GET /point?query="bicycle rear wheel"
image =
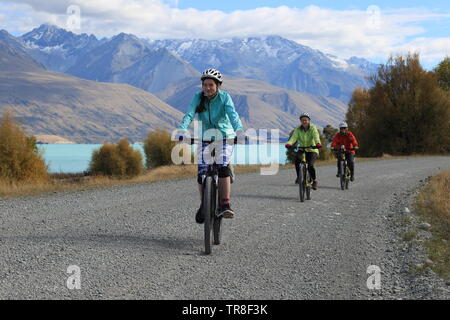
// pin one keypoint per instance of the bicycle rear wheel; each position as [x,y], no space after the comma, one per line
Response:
[301,183]
[208,211]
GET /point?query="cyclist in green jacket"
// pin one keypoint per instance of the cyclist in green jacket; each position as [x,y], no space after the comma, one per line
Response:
[306,135]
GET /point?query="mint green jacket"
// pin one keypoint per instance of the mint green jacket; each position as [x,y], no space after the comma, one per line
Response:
[219,114]
[307,138]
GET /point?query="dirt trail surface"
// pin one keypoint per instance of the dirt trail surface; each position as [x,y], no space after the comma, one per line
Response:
[141,241]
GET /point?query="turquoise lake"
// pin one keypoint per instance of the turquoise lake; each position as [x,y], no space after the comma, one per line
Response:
[72,158]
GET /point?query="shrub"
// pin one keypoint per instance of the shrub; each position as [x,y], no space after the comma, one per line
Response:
[158,148]
[132,158]
[20,159]
[119,160]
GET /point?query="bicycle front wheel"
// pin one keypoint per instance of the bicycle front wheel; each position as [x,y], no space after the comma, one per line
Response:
[208,211]
[307,185]
[301,183]
[347,176]
[217,229]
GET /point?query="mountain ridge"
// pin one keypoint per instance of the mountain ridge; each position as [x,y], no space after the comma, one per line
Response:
[273,59]
[50,103]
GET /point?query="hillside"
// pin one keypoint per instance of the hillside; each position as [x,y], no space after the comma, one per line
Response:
[79,110]
[264,106]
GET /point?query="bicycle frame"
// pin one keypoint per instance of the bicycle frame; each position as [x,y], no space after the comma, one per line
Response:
[305,183]
[304,165]
[343,167]
[210,199]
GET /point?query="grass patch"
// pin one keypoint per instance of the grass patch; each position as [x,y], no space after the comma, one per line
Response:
[409,235]
[59,182]
[403,221]
[433,206]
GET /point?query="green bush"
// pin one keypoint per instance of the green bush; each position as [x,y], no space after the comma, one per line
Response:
[158,149]
[119,160]
[20,159]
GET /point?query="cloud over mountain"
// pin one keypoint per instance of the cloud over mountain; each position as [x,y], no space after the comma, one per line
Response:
[344,33]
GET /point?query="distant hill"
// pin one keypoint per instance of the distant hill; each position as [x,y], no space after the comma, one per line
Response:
[13,59]
[50,103]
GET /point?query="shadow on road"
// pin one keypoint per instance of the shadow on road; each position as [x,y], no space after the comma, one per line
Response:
[329,188]
[119,241]
[262,196]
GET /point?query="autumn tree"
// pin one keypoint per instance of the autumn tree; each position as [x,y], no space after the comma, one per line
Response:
[442,72]
[404,112]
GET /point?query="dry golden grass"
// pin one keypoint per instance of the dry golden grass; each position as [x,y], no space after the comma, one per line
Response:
[65,182]
[434,206]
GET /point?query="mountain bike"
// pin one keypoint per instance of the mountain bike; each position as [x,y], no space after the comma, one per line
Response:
[210,200]
[304,180]
[344,170]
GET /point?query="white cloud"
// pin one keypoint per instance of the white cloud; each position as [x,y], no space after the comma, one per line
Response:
[344,33]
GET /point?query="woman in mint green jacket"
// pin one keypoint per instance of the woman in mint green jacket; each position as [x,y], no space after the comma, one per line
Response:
[306,135]
[219,119]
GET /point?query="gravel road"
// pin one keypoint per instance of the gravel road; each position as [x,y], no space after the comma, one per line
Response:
[141,241]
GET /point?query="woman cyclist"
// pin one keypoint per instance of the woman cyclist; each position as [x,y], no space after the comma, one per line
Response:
[215,110]
[306,135]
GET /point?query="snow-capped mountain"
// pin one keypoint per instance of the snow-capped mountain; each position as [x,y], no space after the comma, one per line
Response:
[272,59]
[170,69]
[364,65]
[123,58]
[127,59]
[276,60]
[109,58]
[57,48]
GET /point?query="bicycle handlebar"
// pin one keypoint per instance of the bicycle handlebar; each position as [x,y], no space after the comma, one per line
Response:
[344,149]
[195,140]
[304,148]
[311,147]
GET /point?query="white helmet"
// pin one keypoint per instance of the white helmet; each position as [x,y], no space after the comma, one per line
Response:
[304,114]
[343,125]
[212,74]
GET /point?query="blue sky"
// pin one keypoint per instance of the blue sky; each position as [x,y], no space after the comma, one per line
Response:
[342,28]
[229,6]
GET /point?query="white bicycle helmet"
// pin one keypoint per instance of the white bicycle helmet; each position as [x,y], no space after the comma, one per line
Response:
[304,114]
[343,125]
[212,74]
